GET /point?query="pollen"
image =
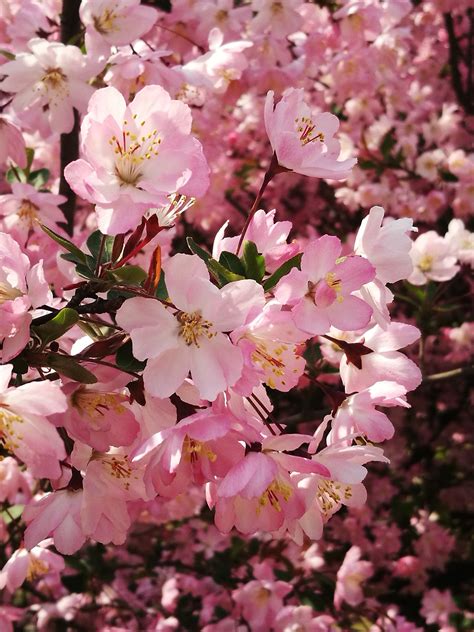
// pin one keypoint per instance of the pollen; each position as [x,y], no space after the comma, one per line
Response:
[193,450]
[425,263]
[28,213]
[133,150]
[306,129]
[9,436]
[331,494]
[275,492]
[335,284]
[193,326]
[96,404]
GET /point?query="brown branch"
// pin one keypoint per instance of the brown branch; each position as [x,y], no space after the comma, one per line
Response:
[70,30]
[464,95]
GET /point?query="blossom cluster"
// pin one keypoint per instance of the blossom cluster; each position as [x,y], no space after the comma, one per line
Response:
[152,339]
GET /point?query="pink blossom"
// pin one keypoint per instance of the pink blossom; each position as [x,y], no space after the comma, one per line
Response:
[114,23]
[260,601]
[56,514]
[21,287]
[189,337]
[437,605]
[135,156]
[304,142]
[28,565]
[24,426]
[350,576]
[461,241]
[12,143]
[432,259]
[52,75]
[386,362]
[321,293]
[279,17]
[25,208]
[269,236]
[13,482]
[99,417]
[357,413]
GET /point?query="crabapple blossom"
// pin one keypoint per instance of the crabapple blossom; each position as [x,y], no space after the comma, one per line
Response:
[461,241]
[189,337]
[114,23]
[350,577]
[432,259]
[25,429]
[12,143]
[321,293]
[304,142]
[21,287]
[52,79]
[27,565]
[135,156]
[384,362]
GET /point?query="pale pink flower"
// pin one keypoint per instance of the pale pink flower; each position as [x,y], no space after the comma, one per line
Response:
[386,362]
[461,241]
[429,163]
[21,287]
[352,573]
[303,619]
[281,17]
[304,142]
[12,143]
[56,514]
[269,346]
[437,605]
[223,15]
[260,600]
[357,413]
[99,417]
[24,426]
[114,23]
[269,237]
[13,482]
[28,565]
[189,337]
[52,75]
[25,207]
[135,156]
[321,293]
[257,493]
[386,245]
[432,259]
[221,65]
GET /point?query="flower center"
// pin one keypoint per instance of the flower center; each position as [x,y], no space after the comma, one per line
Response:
[36,567]
[105,22]
[426,263]
[194,449]
[27,213]
[330,495]
[131,152]
[305,128]
[8,293]
[9,437]
[221,16]
[335,284]
[54,79]
[276,8]
[271,495]
[96,405]
[192,327]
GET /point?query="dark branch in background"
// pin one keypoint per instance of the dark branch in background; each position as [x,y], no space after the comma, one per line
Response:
[457,57]
[70,30]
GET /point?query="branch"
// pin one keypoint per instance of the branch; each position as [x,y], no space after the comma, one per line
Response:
[70,30]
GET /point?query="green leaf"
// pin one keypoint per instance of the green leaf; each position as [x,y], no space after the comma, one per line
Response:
[7,54]
[129,274]
[84,271]
[30,155]
[447,176]
[65,243]
[69,256]
[232,262]
[11,175]
[94,242]
[67,366]
[221,274]
[13,513]
[218,271]
[254,262]
[162,290]
[197,250]
[282,271]
[39,178]
[366,164]
[126,360]
[57,326]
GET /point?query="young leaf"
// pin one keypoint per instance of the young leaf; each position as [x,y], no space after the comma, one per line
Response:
[232,262]
[129,274]
[57,326]
[39,178]
[197,250]
[254,262]
[283,270]
[126,360]
[65,243]
[67,366]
